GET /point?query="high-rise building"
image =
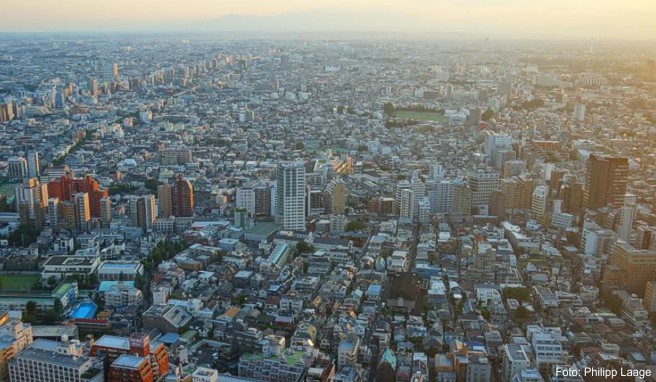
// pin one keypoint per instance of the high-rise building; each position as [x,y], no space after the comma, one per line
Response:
[165,202]
[263,201]
[142,212]
[400,186]
[33,164]
[605,181]
[539,202]
[82,211]
[66,187]
[93,87]
[482,184]
[17,167]
[290,196]
[645,237]
[406,204]
[335,196]
[105,212]
[182,198]
[16,337]
[579,112]
[629,268]
[513,168]
[625,223]
[31,201]
[462,199]
[53,212]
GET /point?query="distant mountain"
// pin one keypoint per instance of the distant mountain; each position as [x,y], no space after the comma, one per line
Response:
[310,21]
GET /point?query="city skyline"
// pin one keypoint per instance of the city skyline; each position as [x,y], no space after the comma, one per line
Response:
[610,20]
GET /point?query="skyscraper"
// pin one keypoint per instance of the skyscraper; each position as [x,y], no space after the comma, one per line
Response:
[53,212]
[142,212]
[335,196]
[105,212]
[482,184]
[290,195]
[182,198]
[605,181]
[31,201]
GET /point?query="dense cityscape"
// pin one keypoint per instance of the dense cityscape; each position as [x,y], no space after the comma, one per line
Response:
[204,209]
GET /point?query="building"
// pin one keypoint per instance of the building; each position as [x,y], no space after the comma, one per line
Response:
[31,202]
[82,211]
[406,204]
[142,212]
[629,269]
[15,336]
[625,223]
[167,318]
[263,201]
[138,345]
[335,196]
[182,198]
[53,212]
[120,270]
[203,374]
[246,200]
[290,196]
[347,352]
[105,212]
[482,184]
[33,164]
[165,202]
[276,367]
[17,167]
[130,368]
[38,365]
[479,368]
[539,202]
[66,187]
[605,181]
[58,266]
[462,200]
[514,361]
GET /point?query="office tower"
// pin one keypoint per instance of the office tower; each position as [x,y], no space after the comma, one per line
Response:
[142,212]
[263,201]
[110,72]
[105,212]
[17,167]
[462,199]
[290,195]
[246,200]
[33,164]
[579,112]
[625,222]
[53,212]
[82,211]
[66,187]
[335,196]
[182,198]
[31,201]
[406,204]
[482,184]
[605,181]
[60,99]
[629,269]
[539,202]
[164,197]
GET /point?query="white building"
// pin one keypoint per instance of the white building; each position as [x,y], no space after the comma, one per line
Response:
[246,199]
[290,195]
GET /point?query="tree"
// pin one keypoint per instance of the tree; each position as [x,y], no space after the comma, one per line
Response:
[31,308]
[355,225]
[52,281]
[57,307]
[151,184]
[522,313]
[303,247]
[299,145]
[519,294]
[487,115]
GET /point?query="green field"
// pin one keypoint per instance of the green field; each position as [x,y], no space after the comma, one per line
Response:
[17,283]
[7,188]
[420,115]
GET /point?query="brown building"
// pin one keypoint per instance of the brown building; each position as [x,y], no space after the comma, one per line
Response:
[164,201]
[629,269]
[66,187]
[605,181]
[182,198]
[131,358]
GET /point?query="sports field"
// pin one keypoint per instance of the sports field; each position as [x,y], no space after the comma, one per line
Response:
[420,115]
[17,283]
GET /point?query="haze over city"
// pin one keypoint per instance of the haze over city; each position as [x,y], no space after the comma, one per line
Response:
[528,19]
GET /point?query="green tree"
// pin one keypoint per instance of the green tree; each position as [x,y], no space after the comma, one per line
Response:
[31,307]
[152,184]
[520,294]
[487,115]
[299,145]
[355,225]
[522,313]
[304,247]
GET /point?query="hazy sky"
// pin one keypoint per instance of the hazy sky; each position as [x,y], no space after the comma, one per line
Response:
[600,19]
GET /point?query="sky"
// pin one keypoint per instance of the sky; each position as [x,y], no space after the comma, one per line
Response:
[574,19]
